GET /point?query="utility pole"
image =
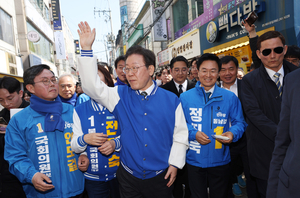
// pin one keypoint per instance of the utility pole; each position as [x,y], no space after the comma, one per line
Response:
[110,37]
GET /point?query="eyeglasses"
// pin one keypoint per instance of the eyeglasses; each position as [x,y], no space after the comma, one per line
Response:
[47,81]
[277,50]
[134,69]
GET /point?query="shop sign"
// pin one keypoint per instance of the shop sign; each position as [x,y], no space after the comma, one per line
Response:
[163,57]
[187,45]
[211,32]
[160,26]
[229,20]
[56,15]
[33,36]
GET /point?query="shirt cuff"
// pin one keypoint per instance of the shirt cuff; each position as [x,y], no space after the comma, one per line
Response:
[81,142]
[86,53]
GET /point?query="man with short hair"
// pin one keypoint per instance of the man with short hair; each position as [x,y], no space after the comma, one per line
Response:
[67,87]
[38,140]
[208,110]
[179,71]
[238,150]
[10,98]
[261,99]
[119,65]
[153,144]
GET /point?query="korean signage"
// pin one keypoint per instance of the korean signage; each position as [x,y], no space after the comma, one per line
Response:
[60,45]
[160,27]
[163,57]
[229,20]
[56,15]
[235,17]
[187,46]
[212,9]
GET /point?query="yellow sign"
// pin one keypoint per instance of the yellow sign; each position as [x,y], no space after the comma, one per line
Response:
[211,32]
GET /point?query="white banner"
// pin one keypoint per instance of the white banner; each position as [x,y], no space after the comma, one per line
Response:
[187,45]
[60,45]
[160,27]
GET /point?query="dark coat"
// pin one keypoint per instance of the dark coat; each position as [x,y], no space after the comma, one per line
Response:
[284,176]
[262,104]
[5,175]
[170,86]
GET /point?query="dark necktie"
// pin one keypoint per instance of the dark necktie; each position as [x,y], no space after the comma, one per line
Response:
[207,95]
[180,89]
[278,84]
[144,94]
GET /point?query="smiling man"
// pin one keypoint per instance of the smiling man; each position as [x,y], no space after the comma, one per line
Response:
[153,144]
[38,140]
[208,110]
[261,99]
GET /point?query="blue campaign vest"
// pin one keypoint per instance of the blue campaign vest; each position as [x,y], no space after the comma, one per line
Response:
[95,120]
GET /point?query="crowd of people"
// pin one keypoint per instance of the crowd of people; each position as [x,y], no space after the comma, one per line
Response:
[178,132]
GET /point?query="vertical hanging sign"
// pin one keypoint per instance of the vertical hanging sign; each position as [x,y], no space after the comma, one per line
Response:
[160,27]
[60,45]
[56,15]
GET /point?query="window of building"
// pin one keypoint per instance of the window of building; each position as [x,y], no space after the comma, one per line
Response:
[43,48]
[12,64]
[180,14]
[6,28]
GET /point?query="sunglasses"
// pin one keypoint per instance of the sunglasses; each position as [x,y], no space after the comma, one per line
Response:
[277,50]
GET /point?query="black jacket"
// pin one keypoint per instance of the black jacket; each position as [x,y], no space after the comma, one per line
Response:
[5,175]
[284,168]
[170,86]
[262,105]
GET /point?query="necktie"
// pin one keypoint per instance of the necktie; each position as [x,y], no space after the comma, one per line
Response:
[144,94]
[207,95]
[278,84]
[180,89]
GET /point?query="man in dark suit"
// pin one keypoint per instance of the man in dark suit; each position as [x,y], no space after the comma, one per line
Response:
[179,72]
[261,100]
[178,85]
[238,150]
[284,176]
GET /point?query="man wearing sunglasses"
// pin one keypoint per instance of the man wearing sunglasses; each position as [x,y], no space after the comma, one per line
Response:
[261,100]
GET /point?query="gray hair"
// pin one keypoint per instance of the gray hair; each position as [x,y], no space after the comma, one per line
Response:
[69,75]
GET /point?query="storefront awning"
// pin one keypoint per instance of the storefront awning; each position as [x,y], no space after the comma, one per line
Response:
[16,77]
[235,43]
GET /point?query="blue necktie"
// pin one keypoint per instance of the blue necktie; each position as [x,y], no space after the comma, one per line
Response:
[207,95]
[278,84]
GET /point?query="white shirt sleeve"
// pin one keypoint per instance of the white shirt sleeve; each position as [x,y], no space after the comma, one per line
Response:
[77,133]
[93,86]
[180,140]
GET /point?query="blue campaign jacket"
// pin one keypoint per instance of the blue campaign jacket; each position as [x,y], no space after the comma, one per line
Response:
[93,119]
[29,150]
[211,117]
